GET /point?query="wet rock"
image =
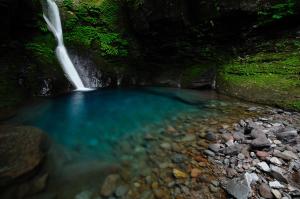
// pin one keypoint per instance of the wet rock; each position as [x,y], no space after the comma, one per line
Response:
[109,185]
[22,150]
[188,138]
[278,174]
[179,174]
[178,158]
[209,153]
[166,146]
[211,136]
[121,191]
[195,173]
[84,195]
[275,184]
[265,191]
[215,147]
[263,166]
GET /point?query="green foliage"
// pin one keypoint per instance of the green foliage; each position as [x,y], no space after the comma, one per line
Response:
[95,26]
[42,49]
[273,77]
[277,11]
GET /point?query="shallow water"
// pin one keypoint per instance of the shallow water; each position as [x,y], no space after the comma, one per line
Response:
[91,122]
[122,131]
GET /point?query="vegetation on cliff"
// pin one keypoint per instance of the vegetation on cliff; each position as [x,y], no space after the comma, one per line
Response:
[271,75]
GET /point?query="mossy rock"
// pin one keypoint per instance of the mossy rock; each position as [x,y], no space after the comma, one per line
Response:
[266,77]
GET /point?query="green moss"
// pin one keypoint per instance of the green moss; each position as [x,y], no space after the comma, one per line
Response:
[268,77]
[96,26]
[42,49]
[276,11]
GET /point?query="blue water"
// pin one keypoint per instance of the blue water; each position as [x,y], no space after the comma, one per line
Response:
[93,122]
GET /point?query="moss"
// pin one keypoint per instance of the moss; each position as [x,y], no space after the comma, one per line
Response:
[95,25]
[267,77]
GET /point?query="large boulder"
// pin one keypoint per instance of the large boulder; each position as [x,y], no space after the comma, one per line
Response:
[22,153]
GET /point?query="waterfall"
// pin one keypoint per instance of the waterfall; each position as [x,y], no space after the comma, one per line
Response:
[52,18]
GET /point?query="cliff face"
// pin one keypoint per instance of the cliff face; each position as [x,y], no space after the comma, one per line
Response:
[173,42]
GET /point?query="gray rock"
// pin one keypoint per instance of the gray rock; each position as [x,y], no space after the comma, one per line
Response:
[241,156]
[275,184]
[240,188]
[211,136]
[233,150]
[215,147]
[275,161]
[261,142]
[265,191]
[121,190]
[239,136]
[263,166]
[209,153]
[84,195]
[287,136]
[178,158]
[290,155]
[278,174]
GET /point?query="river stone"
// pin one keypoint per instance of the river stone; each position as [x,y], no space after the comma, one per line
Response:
[188,138]
[109,185]
[121,190]
[276,193]
[261,142]
[265,191]
[240,188]
[233,150]
[289,155]
[287,136]
[209,153]
[211,136]
[179,174]
[275,184]
[263,166]
[278,174]
[215,147]
[22,150]
[275,161]
[262,154]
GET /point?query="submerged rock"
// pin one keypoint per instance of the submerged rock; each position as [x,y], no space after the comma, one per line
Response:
[109,185]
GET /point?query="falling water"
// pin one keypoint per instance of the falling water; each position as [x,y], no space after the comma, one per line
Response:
[52,18]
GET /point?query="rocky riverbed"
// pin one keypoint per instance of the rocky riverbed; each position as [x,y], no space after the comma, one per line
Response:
[237,151]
